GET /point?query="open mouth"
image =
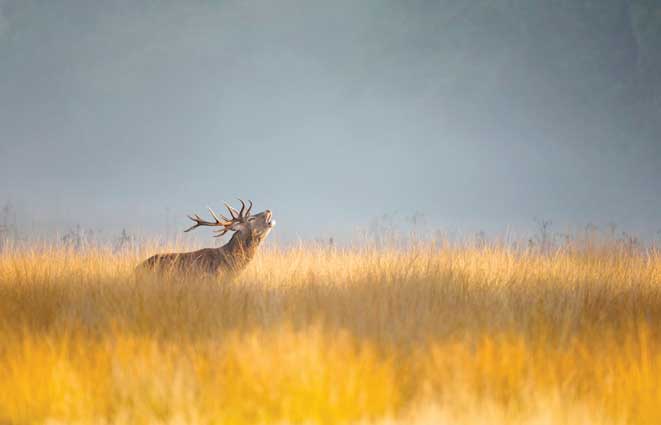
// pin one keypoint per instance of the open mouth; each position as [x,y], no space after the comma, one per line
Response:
[269,219]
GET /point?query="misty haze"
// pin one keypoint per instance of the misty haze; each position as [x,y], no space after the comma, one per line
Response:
[482,116]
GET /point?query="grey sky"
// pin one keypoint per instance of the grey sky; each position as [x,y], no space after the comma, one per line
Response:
[133,113]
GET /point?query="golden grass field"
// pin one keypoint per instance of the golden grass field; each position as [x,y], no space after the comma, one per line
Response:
[445,335]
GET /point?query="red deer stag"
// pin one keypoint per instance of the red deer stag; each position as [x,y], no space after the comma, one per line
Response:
[249,232]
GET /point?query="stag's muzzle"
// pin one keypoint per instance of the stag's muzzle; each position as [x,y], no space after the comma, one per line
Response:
[269,218]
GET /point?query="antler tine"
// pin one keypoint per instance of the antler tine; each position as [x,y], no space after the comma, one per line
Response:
[249,208]
[227,220]
[192,227]
[201,222]
[243,208]
[213,214]
[196,219]
[220,232]
[232,211]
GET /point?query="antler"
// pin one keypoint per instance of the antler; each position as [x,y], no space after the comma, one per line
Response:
[243,214]
[226,223]
[234,213]
[201,222]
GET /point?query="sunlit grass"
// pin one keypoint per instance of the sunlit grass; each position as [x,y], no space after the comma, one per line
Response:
[318,335]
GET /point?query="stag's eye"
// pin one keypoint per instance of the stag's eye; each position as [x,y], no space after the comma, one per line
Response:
[251,219]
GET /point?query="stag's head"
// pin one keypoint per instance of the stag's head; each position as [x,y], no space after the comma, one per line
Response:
[246,225]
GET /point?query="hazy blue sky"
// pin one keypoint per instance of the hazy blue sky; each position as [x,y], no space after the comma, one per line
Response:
[134,113]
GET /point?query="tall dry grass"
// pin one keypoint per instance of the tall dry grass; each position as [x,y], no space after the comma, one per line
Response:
[316,335]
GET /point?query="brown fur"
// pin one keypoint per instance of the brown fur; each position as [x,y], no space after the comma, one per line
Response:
[230,258]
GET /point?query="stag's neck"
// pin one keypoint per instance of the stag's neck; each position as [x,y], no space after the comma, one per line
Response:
[238,252]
